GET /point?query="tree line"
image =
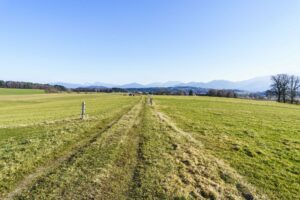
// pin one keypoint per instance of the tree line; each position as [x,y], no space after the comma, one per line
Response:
[222,93]
[30,85]
[285,88]
[103,90]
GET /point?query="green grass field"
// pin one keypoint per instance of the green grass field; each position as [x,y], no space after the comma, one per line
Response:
[36,129]
[261,140]
[179,148]
[13,91]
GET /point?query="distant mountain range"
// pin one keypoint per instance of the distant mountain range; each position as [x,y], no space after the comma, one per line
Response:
[257,84]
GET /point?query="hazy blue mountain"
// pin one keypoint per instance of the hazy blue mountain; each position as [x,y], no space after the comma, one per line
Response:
[253,85]
[132,85]
[192,84]
[107,85]
[257,84]
[222,84]
[87,85]
[166,84]
[156,84]
[68,85]
[96,87]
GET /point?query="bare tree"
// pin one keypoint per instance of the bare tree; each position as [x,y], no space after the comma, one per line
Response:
[294,85]
[275,87]
[285,80]
[280,86]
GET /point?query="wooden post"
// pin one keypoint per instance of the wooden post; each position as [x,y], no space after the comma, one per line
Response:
[83,110]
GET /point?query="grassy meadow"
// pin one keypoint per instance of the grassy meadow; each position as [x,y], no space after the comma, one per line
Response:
[260,139]
[36,129]
[15,91]
[179,148]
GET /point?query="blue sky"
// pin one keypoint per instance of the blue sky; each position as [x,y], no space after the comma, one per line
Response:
[121,41]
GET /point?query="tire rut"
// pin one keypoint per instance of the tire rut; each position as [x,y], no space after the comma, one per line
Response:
[118,169]
[139,158]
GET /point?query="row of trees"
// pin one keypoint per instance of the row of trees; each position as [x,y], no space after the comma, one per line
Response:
[105,90]
[222,93]
[29,85]
[285,87]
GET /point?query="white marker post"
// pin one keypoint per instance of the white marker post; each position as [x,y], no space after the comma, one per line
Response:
[83,110]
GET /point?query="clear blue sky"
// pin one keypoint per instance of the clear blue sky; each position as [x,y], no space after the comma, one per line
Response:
[121,41]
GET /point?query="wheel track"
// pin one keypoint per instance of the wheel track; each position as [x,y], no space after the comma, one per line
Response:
[116,175]
[139,158]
